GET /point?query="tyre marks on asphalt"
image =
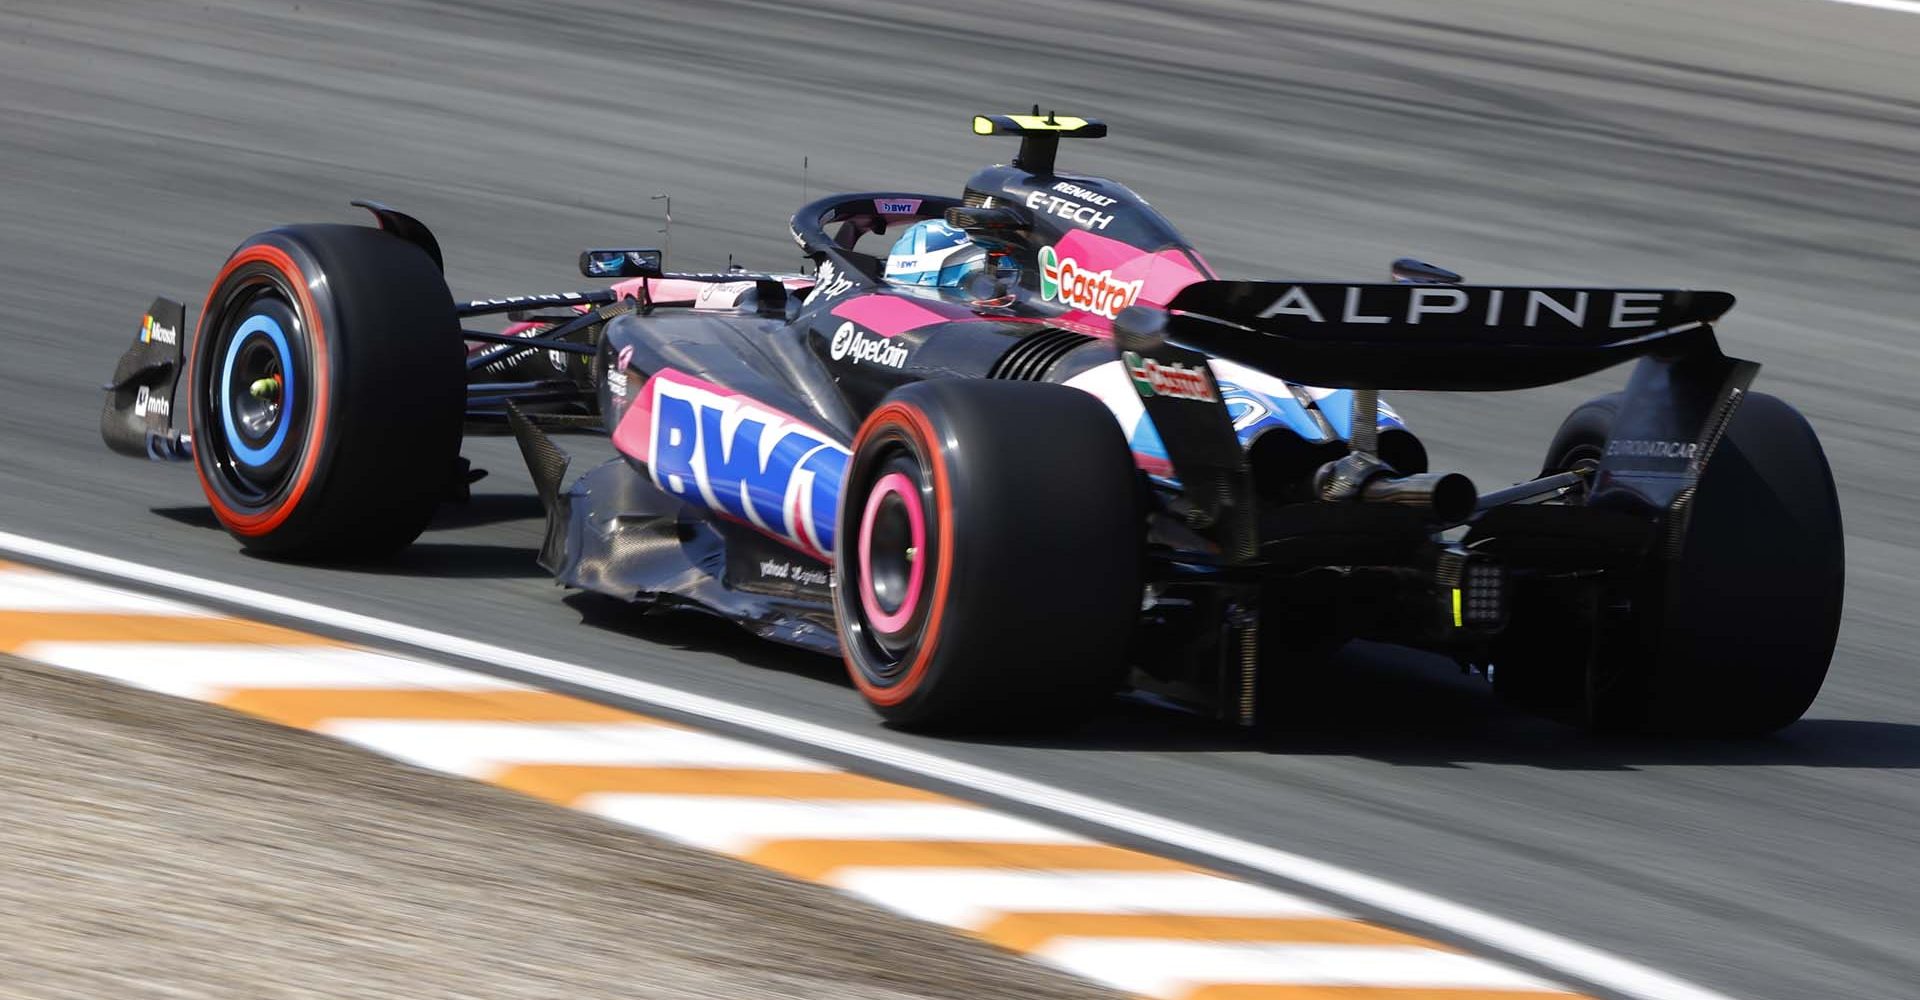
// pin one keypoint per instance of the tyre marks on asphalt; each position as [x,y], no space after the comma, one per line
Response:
[1136,921]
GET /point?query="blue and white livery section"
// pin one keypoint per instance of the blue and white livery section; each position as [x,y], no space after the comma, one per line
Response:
[1257,403]
[714,448]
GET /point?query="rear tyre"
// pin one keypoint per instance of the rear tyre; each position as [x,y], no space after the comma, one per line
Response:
[988,557]
[326,392]
[1582,438]
[1735,635]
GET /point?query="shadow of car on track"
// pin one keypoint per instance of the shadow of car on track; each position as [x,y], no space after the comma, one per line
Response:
[488,508]
[200,516]
[1414,710]
[456,560]
[697,631]
[481,510]
[1380,703]
[1377,703]
[431,558]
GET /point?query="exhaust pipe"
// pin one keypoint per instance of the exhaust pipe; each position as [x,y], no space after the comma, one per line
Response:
[1449,496]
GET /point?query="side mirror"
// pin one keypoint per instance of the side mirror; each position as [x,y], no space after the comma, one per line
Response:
[635,263]
[1408,271]
[989,221]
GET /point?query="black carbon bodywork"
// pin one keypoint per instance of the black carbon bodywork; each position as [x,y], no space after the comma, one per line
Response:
[137,418]
[613,532]
[765,359]
[1275,487]
[616,532]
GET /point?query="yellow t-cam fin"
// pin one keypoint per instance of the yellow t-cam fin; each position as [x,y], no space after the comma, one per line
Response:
[1059,125]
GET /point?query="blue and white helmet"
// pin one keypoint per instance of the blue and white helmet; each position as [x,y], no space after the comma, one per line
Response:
[935,254]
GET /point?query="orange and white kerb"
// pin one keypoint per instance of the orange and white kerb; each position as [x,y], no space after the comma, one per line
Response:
[1154,927]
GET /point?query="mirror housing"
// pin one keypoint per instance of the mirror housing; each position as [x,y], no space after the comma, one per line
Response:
[989,221]
[1408,271]
[636,262]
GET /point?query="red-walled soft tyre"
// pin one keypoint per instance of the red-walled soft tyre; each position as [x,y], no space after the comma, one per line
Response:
[988,555]
[326,391]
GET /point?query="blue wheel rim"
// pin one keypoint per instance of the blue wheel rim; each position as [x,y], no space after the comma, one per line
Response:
[258,324]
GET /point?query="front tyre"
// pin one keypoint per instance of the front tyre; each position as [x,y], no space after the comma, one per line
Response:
[988,555]
[326,392]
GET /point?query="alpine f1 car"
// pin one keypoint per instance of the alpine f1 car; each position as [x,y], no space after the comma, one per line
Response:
[1081,463]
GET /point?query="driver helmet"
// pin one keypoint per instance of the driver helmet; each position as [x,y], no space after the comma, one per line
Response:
[934,254]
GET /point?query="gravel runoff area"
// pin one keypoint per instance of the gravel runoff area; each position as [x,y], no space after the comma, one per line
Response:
[155,847]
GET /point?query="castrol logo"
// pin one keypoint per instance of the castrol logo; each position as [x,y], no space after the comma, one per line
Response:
[1063,280]
[1171,379]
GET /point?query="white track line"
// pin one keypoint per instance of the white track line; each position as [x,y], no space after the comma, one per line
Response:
[45,593]
[1497,933]
[1171,968]
[1903,6]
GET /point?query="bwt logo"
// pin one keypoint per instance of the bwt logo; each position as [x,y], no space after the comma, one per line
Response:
[730,454]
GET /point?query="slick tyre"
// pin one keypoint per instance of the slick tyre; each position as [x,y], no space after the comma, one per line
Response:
[988,556]
[1732,637]
[326,392]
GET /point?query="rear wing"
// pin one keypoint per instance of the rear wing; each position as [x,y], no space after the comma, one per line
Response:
[1438,337]
[1675,408]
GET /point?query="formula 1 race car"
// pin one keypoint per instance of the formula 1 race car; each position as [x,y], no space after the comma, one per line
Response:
[1090,465]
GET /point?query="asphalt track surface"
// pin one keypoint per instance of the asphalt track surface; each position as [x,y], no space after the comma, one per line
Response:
[1767,147]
